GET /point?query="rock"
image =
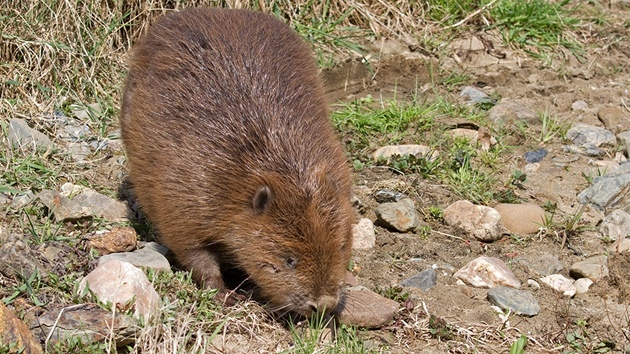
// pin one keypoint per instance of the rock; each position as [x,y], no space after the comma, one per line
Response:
[401,216]
[90,323]
[587,149]
[533,284]
[608,191]
[424,280]
[387,196]
[487,272]
[473,44]
[582,285]
[521,218]
[479,221]
[119,239]
[544,265]
[63,208]
[101,205]
[156,247]
[581,134]
[363,236]
[595,268]
[615,225]
[15,332]
[142,258]
[51,253]
[579,105]
[22,200]
[520,302]
[536,155]
[18,260]
[532,168]
[563,161]
[70,190]
[473,95]
[624,138]
[90,111]
[613,119]
[367,309]
[621,246]
[20,134]
[480,136]
[79,151]
[509,112]
[419,151]
[560,284]
[120,283]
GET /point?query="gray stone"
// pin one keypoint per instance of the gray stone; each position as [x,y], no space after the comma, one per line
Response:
[401,216]
[520,302]
[424,280]
[118,282]
[624,138]
[587,149]
[478,221]
[581,134]
[582,285]
[22,200]
[63,208]
[615,225]
[595,268]
[620,246]
[560,284]
[387,196]
[142,258]
[367,309]
[487,272]
[88,322]
[156,247]
[20,134]
[18,260]
[579,105]
[474,95]
[363,236]
[544,265]
[101,205]
[608,191]
[419,151]
[509,112]
[79,151]
[535,155]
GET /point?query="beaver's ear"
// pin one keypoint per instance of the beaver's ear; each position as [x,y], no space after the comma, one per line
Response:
[262,199]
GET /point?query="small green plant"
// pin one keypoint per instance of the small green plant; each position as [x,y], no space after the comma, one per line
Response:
[551,128]
[27,286]
[396,293]
[436,212]
[439,328]
[518,347]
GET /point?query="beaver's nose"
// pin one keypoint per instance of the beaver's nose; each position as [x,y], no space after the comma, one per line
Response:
[324,304]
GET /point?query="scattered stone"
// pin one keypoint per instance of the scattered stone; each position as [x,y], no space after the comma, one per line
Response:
[532,167]
[563,161]
[401,216]
[118,239]
[367,309]
[620,246]
[18,260]
[536,155]
[51,253]
[419,151]
[22,200]
[424,280]
[595,268]
[579,105]
[481,136]
[102,206]
[63,208]
[142,258]
[520,302]
[608,191]
[15,332]
[624,138]
[387,196]
[90,323]
[587,149]
[509,112]
[615,225]
[544,265]
[79,151]
[521,218]
[363,237]
[560,284]
[581,134]
[533,284]
[582,285]
[156,247]
[70,190]
[480,221]
[473,95]
[613,119]
[20,134]
[119,283]
[487,272]
[90,111]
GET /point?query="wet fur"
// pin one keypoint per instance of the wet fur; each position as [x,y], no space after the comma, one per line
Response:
[219,107]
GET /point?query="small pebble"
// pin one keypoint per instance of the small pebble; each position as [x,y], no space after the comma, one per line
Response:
[582,285]
[594,268]
[487,272]
[363,236]
[520,302]
[536,155]
[560,284]
[479,221]
[401,216]
[424,280]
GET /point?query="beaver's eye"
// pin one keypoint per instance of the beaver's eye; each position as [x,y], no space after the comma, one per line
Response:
[291,262]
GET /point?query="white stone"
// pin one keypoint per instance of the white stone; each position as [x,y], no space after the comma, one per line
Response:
[479,221]
[487,272]
[363,236]
[560,284]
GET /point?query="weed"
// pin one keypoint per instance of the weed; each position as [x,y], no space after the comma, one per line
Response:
[436,212]
[518,347]
[439,328]
[551,128]
[27,286]
[395,293]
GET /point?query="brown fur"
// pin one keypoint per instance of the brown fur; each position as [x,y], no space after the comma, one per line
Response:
[233,157]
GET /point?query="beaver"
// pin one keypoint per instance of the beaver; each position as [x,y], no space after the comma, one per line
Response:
[233,157]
